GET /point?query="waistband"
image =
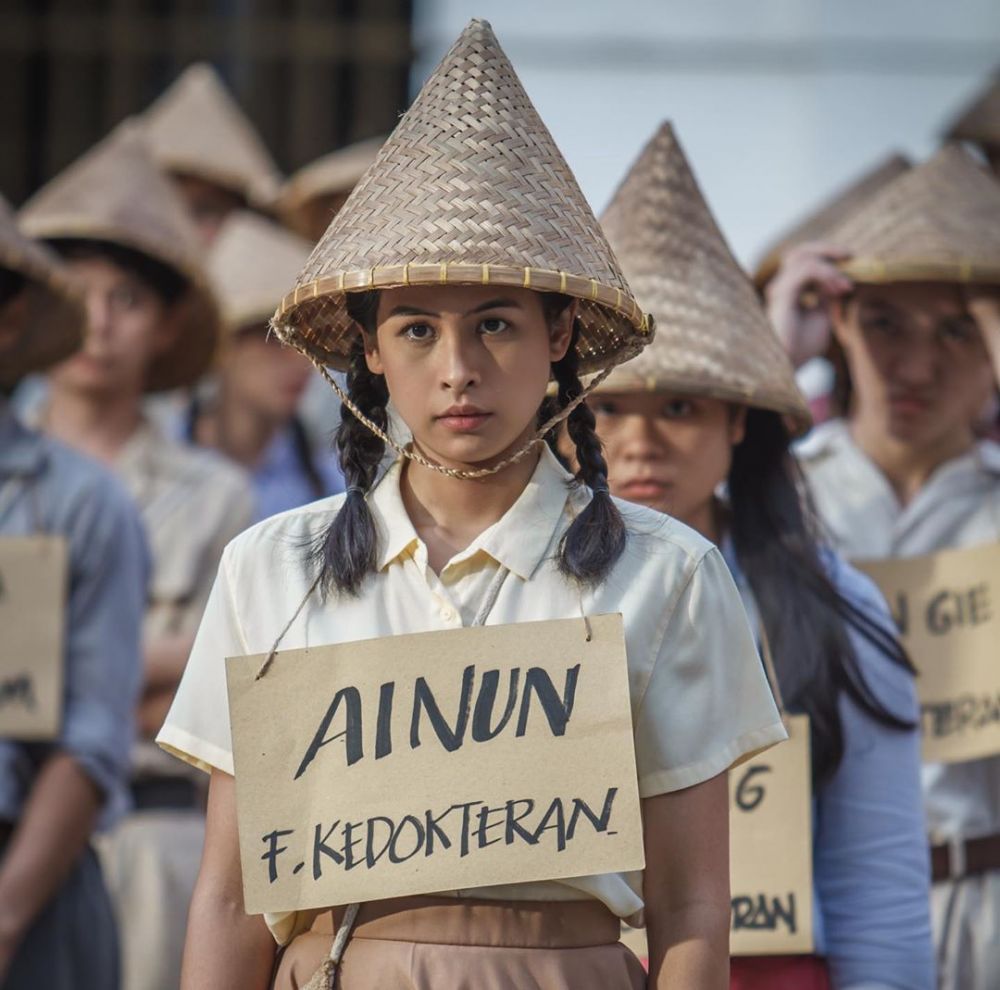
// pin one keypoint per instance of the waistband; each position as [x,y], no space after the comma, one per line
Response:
[476,921]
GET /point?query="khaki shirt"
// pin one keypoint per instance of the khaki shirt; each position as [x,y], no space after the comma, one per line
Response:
[958,506]
[700,701]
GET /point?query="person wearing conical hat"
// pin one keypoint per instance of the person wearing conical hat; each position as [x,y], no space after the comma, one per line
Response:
[311,197]
[979,123]
[914,307]
[152,325]
[201,137]
[710,405]
[253,418]
[59,788]
[464,272]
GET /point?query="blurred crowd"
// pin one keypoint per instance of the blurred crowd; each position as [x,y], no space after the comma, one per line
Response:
[149,414]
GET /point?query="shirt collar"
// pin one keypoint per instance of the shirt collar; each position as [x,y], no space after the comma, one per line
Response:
[22,451]
[518,540]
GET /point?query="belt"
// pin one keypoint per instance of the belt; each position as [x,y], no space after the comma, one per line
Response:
[166,793]
[965,858]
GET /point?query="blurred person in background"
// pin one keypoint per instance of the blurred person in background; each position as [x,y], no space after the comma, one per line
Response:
[57,925]
[909,291]
[152,325]
[710,406]
[252,418]
[202,139]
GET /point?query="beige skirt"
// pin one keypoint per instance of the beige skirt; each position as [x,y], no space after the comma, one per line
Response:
[420,943]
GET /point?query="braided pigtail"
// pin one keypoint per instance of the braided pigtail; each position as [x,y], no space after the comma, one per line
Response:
[347,552]
[596,537]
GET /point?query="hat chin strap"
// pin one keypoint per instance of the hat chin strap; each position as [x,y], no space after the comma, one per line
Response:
[465,475]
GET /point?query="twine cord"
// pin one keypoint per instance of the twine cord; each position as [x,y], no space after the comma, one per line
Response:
[269,659]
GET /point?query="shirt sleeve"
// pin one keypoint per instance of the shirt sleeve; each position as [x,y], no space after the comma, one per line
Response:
[197,726]
[109,575]
[870,847]
[707,705]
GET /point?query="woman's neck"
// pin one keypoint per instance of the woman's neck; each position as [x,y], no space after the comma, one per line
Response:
[449,513]
[905,466]
[98,425]
[237,430]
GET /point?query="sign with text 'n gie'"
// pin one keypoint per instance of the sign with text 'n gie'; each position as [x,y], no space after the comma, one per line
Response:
[32,617]
[947,608]
[434,761]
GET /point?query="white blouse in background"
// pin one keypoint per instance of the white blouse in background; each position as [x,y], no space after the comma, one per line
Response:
[700,701]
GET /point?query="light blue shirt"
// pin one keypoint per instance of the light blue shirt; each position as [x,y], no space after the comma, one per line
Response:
[870,856]
[47,488]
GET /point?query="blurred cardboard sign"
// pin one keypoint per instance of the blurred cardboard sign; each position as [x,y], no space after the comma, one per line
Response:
[32,617]
[434,761]
[770,849]
[947,609]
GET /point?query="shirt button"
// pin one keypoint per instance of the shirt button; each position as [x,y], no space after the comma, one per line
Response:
[447,614]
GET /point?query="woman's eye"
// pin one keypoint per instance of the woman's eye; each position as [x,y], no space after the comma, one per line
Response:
[885,325]
[957,332]
[124,297]
[493,325]
[418,331]
[677,409]
[604,408]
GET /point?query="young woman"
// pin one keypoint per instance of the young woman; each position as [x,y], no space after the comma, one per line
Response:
[458,334]
[910,291]
[698,426]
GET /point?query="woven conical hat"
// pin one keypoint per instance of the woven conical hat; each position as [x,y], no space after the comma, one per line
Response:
[55,317]
[817,225]
[197,128]
[712,336]
[116,193]
[469,189]
[334,174]
[251,264]
[938,222]
[979,122]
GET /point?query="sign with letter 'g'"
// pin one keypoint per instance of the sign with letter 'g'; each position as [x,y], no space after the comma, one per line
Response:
[947,609]
[32,607]
[434,761]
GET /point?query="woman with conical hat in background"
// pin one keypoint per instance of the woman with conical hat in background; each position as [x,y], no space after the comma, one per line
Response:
[59,787]
[699,426]
[201,137]
[979,123]
[914,307]
[152,326]
[464,272]
[252,416]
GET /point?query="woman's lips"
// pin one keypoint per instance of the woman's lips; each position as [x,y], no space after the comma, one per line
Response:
[643,489]
[909,405]
[463,420]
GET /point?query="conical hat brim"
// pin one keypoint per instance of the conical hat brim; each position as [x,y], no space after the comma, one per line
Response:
[469,189]
[197,128]
[713,338]
[940,222]
[333,174]
[53,327]
[251,264]
[980,121]
[817,225]
[115,193]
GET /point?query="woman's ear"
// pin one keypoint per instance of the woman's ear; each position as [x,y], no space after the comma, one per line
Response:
[840,312]
[737,425]
[372,357]
[561,331]
[168,327]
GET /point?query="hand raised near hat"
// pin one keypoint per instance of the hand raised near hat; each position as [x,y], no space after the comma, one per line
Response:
[799,295]
[984,306]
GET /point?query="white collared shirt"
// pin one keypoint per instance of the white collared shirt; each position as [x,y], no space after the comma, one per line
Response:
[700,701]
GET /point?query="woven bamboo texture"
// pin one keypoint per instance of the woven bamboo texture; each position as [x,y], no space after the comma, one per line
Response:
[818,224]
[712,338]
[54,317]
[469,189]
[116,193]
[979,122]
[197,128]
[938,222]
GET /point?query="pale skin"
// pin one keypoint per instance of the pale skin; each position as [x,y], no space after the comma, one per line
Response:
[467,370]
[923,358]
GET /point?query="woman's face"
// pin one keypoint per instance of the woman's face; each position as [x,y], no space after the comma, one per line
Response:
[918,363]
[668,451]
[466,366]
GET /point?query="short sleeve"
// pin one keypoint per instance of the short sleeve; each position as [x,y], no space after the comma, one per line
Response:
[707,705]
[197,726]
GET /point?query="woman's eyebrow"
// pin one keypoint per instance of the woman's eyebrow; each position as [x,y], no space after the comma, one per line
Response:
[412,311]
[494,304]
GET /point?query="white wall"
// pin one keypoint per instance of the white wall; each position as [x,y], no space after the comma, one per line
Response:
[776,101]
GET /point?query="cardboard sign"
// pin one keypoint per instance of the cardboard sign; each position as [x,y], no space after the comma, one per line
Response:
[32,607]
[434,761]
[947,608]
[770,849]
